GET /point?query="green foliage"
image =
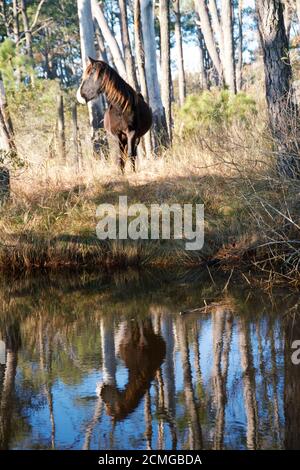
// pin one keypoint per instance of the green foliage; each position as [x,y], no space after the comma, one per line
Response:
[10,62]
[214,108]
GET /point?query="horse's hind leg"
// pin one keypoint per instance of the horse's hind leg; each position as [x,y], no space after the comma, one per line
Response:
[123,152]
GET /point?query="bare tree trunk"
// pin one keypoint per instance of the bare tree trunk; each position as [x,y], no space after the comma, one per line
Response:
[7,141]
[77,155]
[27,30]
[109,38]
[215,19]
[86,28]
[283,112]
[298,9]
[5,18]
[209,36]
[217,27]
[129,62]
[140,59]
[239,74]
[164,21]
[61,141]
[228,50]
[180,61]
[16,33]
[203,73]
[288,13]
[100,42]
[160,130]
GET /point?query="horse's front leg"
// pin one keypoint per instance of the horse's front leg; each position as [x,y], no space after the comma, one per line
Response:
[132,147]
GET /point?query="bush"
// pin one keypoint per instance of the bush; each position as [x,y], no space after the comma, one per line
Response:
[212,109]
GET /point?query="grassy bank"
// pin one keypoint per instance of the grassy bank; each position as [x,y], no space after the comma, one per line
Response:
[226,163]
[50,219]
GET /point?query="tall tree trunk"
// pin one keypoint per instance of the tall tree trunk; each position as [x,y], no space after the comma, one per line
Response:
[109,38]
[164,21]
[159,119]
[239,71]
[298,9]
[283,112]
[87,44]
[16,34]
[203,72]
[228,50]
[140,60]
[7,142]
[61,141]
[288,13]
[100,42]
[27,30]
[129,62]
[208,35]
[180,61]
[216,26]
[215,19]
[5,18]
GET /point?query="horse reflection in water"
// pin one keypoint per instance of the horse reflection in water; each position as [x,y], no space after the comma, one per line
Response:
[143,352]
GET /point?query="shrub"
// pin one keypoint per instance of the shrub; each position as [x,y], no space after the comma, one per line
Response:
[212,109]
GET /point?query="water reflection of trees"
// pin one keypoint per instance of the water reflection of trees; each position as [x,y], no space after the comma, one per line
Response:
[67,336]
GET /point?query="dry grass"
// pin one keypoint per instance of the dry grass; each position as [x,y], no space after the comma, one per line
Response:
[251,216]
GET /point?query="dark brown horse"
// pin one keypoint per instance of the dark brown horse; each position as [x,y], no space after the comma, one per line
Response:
[128,116]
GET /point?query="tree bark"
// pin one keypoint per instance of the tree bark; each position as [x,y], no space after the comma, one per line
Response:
[282,110]
[228,50]
[203,72]
[61,141]
[27,30]
[298,9]
[208,35]
[216,26]
[159,119]
[77,155]
[164,21]
[109,38]
[100,42]
[86,28]
[239,71]
[129,62]
[7,141]
[140,60]
[180,61]
[16,35]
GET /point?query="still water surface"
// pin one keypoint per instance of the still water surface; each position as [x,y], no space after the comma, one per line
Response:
[109,363]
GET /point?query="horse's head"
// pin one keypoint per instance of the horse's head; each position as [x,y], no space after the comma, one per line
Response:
[90,86]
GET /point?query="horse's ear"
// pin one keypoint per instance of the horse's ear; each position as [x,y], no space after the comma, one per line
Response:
[92,61]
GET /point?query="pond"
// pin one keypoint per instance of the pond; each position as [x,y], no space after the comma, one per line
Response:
[108,362]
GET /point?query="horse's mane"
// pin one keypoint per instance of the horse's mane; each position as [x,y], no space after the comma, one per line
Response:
[116,90]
